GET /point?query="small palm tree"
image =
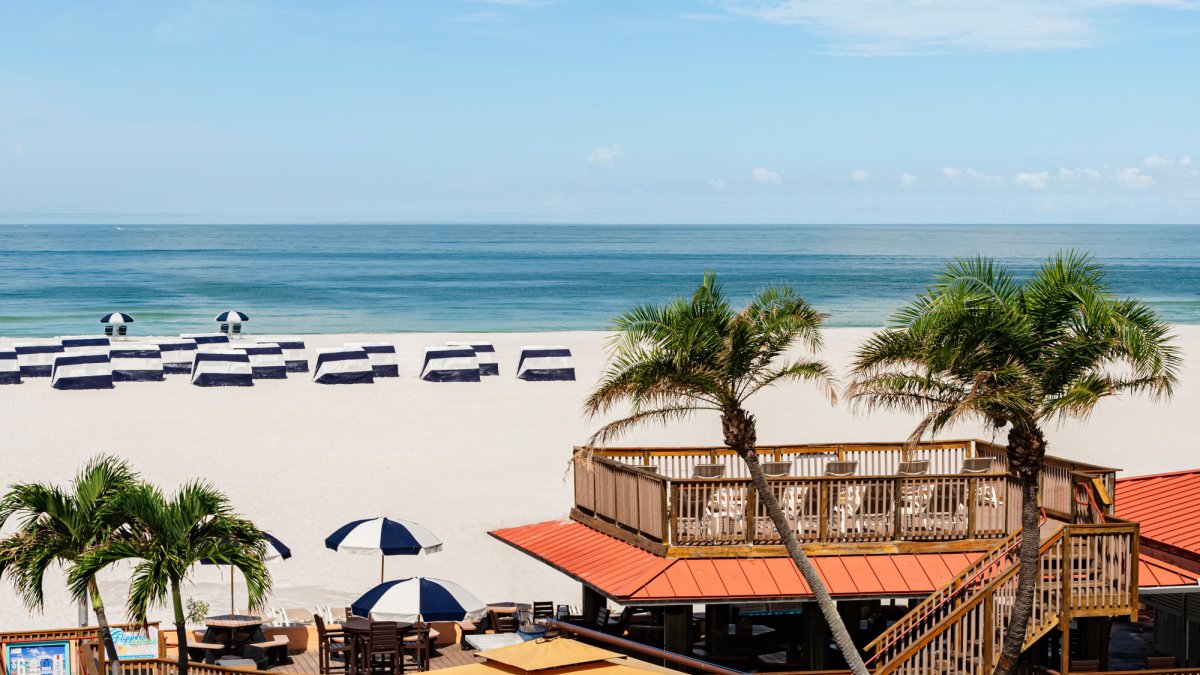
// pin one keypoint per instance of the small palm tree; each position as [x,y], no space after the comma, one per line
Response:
[59,527]
[700,354]
[166,536]
[978,344]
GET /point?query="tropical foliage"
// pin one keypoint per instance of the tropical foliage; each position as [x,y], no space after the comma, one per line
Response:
[700,354]
[165,536]
[981,345]
[58,527]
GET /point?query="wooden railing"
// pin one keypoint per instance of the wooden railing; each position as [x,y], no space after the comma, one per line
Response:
[171,667]
[1083,570]
[651,493]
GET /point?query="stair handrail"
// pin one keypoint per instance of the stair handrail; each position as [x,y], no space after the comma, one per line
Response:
[950,619]
[947,592]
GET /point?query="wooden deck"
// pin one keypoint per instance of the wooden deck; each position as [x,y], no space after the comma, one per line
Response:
[446,657]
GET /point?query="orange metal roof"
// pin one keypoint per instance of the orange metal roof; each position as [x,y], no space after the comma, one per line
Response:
[1167,505]
[627,574]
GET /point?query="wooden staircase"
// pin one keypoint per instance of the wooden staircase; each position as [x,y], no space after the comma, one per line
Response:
[1083,570]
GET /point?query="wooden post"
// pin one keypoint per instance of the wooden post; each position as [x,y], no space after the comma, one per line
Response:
[677,630]
[816,637]
[823,512]
[897,501]
[989,632]
[972,498]
[1064,654]
[591,603]
[668,536]
[1064,617]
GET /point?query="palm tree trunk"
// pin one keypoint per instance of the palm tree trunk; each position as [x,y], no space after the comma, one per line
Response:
[1026,449]
[741,436]
[180,626]
[110,648]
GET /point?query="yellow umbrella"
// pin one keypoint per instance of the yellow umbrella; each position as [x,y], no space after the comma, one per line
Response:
[552,656]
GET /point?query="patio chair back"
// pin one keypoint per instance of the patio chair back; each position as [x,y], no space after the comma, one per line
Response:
[602,616]
[977,465]
[383,647]
[504,623]
[777,469]
[918,467]
[708,471]
[543,610]
[847,468]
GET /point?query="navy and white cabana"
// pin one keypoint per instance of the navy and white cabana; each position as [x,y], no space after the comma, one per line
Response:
[36,359]
[266,362]
[293,353]
[136,363]
[383,537]
[10,371]
[450,364]
[177,354]
[82,370]
[543,364]
[485,354]
[221,368]
[84,343]
[419,599]
[382,356]
[208,340]
[343,365]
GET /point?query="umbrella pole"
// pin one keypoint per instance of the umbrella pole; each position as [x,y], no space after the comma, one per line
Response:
[232,612]
[382,560]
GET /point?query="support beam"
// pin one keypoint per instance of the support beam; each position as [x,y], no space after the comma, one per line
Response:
[677,629]
[592,602]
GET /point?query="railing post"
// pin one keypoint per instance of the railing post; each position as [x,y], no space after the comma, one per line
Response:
[671,512]
[897,502]
[989,631]
[972,499]
[823,512]
[1066,573]
[665,491]
[751,512]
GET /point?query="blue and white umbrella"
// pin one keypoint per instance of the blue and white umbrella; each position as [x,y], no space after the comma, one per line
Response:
[385,537]
[419,599]
[276,551]
[231,316]
[116,317]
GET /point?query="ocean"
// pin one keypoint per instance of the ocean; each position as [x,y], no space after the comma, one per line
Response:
[59,279]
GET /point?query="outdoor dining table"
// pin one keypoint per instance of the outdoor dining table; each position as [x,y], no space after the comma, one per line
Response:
[358,629]
[226,628]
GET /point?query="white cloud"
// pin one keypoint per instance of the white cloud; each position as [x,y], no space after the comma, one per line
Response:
[971,176]
[1033,179]
[766,176]
[1066,175]
[717,183]
[1134,178]
[924,26]
[908,180]
[860,175]
[605,155]
[1186,161]
[1155,161]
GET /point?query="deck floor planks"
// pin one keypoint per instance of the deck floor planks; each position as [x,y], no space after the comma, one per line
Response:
[446,657]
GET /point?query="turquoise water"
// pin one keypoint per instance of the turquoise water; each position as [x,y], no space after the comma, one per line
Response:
[312,279]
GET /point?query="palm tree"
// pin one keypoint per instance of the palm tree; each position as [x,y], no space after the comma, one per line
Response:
[166,536]
[978,344]
[700,354]
[56,526]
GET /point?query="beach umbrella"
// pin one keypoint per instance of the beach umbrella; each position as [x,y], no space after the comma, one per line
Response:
[276,551]
[231,316]
[116,317]
[385,537]
[419,599]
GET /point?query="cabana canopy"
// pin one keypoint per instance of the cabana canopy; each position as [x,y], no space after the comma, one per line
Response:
[450,364]
[88,370]
[543,364]
[343,365]
[221,368]
[382,356]
[136,363]
[485,354]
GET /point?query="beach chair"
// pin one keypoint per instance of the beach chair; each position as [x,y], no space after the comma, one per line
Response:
[977,465]
[985,493]
[299,615]
[122,330]
[708,471]
[110,330]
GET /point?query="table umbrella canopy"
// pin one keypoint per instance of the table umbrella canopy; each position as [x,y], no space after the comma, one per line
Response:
[383,535]
[419,599]
[276,550]
[116,317]
[554,656]
[231,316]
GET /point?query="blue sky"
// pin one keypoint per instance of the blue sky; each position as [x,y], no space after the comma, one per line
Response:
[725,111]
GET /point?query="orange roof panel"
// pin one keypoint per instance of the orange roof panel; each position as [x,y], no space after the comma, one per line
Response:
[1166,505]
[631,575]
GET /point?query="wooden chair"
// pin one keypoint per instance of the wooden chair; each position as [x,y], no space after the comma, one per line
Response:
[332,645]
[1085,666]
[1160,662]
[543,610]
[418,646]
[382,654]
[603,615]
[504,623]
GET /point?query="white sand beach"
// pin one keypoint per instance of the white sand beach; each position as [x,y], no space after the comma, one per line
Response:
[301,459]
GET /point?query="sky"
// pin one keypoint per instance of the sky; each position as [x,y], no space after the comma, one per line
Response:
[601,111]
